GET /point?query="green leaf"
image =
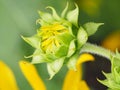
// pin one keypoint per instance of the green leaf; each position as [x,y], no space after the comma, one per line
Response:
[65,11]
[72,16]
[38,57]
[34,41]
[65,38]
[71,64]
[91,27]
[55,15]
[62,51]
[55,66]
[81,37]
[72,48]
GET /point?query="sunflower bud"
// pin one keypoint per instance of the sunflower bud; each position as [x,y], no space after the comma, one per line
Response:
[59,39]
[112,80]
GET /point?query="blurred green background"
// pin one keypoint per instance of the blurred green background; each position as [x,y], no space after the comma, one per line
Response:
[18,17]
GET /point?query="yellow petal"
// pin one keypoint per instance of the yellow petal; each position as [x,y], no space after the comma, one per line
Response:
[84,58]
[83,85]
[73,78]
[7,79]
[31,75]
[112,41]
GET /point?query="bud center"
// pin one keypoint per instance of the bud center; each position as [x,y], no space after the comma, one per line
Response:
[48,35]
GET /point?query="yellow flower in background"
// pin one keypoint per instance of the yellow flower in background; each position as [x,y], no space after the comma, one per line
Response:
[112,41]
[8,82]
[7,79]
[73,79]
[31,75]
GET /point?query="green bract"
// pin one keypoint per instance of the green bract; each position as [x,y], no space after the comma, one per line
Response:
[59,39]
[112,80]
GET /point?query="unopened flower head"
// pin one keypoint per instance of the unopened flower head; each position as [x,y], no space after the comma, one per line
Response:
[55,32]
[59,39]
[112,80]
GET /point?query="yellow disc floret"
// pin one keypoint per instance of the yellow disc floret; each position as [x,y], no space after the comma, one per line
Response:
[48,33]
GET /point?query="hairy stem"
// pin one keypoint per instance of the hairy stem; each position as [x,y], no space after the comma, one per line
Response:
[94,49]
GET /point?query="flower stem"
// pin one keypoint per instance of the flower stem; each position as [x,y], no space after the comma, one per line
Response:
[94,49]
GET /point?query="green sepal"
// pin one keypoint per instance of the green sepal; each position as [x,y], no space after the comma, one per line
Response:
[34,41]
[109,82]
[81,37]
[55,66]
[72,16]
[54,13]
[72,48]
[117,74]
[115,63]
[64,11]
[71,64]
[38,57]
[50,57]
[41,22]
[65,38]
[45,17]
[54,49]
[62,51]
[117,55]
[115,60]
[73,30]
[91,27]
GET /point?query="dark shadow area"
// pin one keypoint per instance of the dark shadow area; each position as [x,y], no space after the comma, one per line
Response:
[93,70]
